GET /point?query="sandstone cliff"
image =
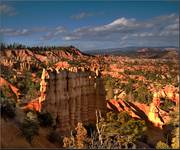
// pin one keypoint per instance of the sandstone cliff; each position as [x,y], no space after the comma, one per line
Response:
[73,97]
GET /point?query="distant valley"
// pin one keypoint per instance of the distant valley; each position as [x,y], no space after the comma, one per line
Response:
[139,52]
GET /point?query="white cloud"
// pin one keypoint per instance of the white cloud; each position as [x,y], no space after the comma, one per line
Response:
[54,33]
[117,24]
[129,30]
[20,32]
[172,27]
[145,34]
[7,10]
[121,22]
[59,30]
[67,38]
[83,15]
[14,32]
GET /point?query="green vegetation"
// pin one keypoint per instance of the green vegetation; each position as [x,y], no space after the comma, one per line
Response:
[162,145]
[38,49]
[7,93]
[28,87]
[156,75]
[29,129]
[128,88]
[30,125]
[12,46]
[39,73]
[115,131]
[139,93]
[167,104]
[171,133]
[8,108]
[45,119]
[7,73]
[135,72]
[74,63]
[175,139]
[142,95]
[175,130]
[123,125]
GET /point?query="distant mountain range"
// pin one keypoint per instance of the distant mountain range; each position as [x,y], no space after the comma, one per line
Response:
[139,52]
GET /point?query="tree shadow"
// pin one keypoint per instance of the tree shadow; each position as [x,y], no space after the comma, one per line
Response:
[114,108]
[121,105]
[137,111]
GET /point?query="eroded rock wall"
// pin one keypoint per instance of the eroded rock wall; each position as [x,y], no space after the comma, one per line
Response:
[73,97]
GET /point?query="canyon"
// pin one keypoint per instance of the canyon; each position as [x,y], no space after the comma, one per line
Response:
[72,86]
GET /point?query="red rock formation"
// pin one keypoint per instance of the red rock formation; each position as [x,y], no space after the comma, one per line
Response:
[169,92]
[33,105]
[76,51]
[138,110]
[4,82]
[25,59]
[61,64]
[73,97]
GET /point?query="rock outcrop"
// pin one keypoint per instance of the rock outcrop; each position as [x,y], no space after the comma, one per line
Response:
[150,113]
[73,97]
[26,59]
[5,83]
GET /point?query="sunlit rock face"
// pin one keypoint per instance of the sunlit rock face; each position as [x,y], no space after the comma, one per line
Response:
[26,60]
[73,97]
[142,111]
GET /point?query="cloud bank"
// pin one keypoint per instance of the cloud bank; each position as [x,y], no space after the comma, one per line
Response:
[121,32]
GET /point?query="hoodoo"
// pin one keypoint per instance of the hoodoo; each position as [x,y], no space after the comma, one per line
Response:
[73,97]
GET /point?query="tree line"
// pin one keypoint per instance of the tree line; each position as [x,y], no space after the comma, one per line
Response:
[17,46]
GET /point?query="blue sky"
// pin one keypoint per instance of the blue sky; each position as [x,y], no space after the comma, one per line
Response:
[91,24]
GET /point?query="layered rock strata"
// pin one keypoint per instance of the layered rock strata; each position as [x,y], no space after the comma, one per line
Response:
[73,97]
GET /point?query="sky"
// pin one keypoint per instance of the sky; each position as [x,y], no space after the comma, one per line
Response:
[89,25]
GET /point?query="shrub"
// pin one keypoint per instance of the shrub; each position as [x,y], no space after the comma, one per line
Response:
[166,106]
[175,131]
[45,119]
[122,127]
[81,135]
[162,145]
[32,115]
[143,95]
[175,140]
[29,129]
[8,108]
[77,140]
[123,117]
[28,87]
